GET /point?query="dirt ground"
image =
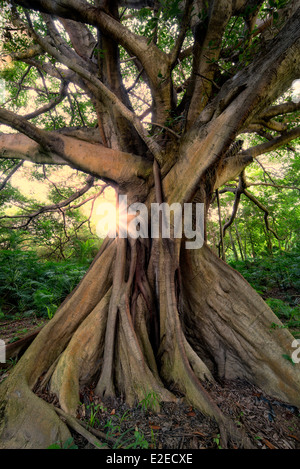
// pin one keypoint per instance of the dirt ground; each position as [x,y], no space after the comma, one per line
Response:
[13,330]
[269,423]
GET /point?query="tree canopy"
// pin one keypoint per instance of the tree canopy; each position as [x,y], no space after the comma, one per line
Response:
[165,101]
[196,52]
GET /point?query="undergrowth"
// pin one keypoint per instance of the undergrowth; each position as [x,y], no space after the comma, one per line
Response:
[32,287]
[277,280]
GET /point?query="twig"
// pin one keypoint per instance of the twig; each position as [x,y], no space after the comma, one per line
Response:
[165,128]
[75,425]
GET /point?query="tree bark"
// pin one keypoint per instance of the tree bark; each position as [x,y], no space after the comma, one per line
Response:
[151,315]
[211,326]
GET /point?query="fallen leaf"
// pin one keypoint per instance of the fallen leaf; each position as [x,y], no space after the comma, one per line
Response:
[268,444]
[155,427]
[191,414]
[199,433]
[294,436]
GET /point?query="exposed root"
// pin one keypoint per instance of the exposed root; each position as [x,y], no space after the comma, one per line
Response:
[79,364]
[75,425]
[26,421]
[200,313]
[224,316]
[176,355]
[105,386]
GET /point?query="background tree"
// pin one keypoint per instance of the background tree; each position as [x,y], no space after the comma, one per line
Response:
[263,219]
[52,214]
[149,315]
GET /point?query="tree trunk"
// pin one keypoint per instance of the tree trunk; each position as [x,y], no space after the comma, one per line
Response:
[238,237]
[251,242]
[148,316]
[236,257]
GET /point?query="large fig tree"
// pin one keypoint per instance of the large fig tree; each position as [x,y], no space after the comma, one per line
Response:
[166,88]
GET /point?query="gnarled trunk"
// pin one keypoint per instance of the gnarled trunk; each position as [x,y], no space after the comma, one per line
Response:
[151,315]
[148,316]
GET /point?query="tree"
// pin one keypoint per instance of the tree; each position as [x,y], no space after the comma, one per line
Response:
[59,229]
[150,315]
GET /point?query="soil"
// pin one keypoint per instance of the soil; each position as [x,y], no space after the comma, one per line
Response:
[16,329]
[289,295]
[269,423]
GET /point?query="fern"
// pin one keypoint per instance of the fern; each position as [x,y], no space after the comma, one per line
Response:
[29,285]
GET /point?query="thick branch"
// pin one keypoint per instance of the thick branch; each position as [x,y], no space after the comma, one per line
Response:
[279,110]
[81,37]
[185,22]
[206,53]
[110,165]
[239,100]
[273,144]
[84,12]
[22,125]
[104,93]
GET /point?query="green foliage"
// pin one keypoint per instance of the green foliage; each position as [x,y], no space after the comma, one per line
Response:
[139,442]
[283,310]
[278,276]
[30,286]
[267,273]
[150,401]
[217,441]
[132,438]
[68,444]
[94,410]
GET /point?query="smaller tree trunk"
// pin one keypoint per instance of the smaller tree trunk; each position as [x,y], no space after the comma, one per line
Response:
[236,257]
[221,243]
[243,254]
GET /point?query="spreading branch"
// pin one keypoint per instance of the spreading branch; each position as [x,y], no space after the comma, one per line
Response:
[240,189]
[113,166]
[264,209]
[52,207]
[104,93]
[10,174]
[273,144]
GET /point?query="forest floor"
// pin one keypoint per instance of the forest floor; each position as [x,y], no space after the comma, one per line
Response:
[13,330]
[269,423]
